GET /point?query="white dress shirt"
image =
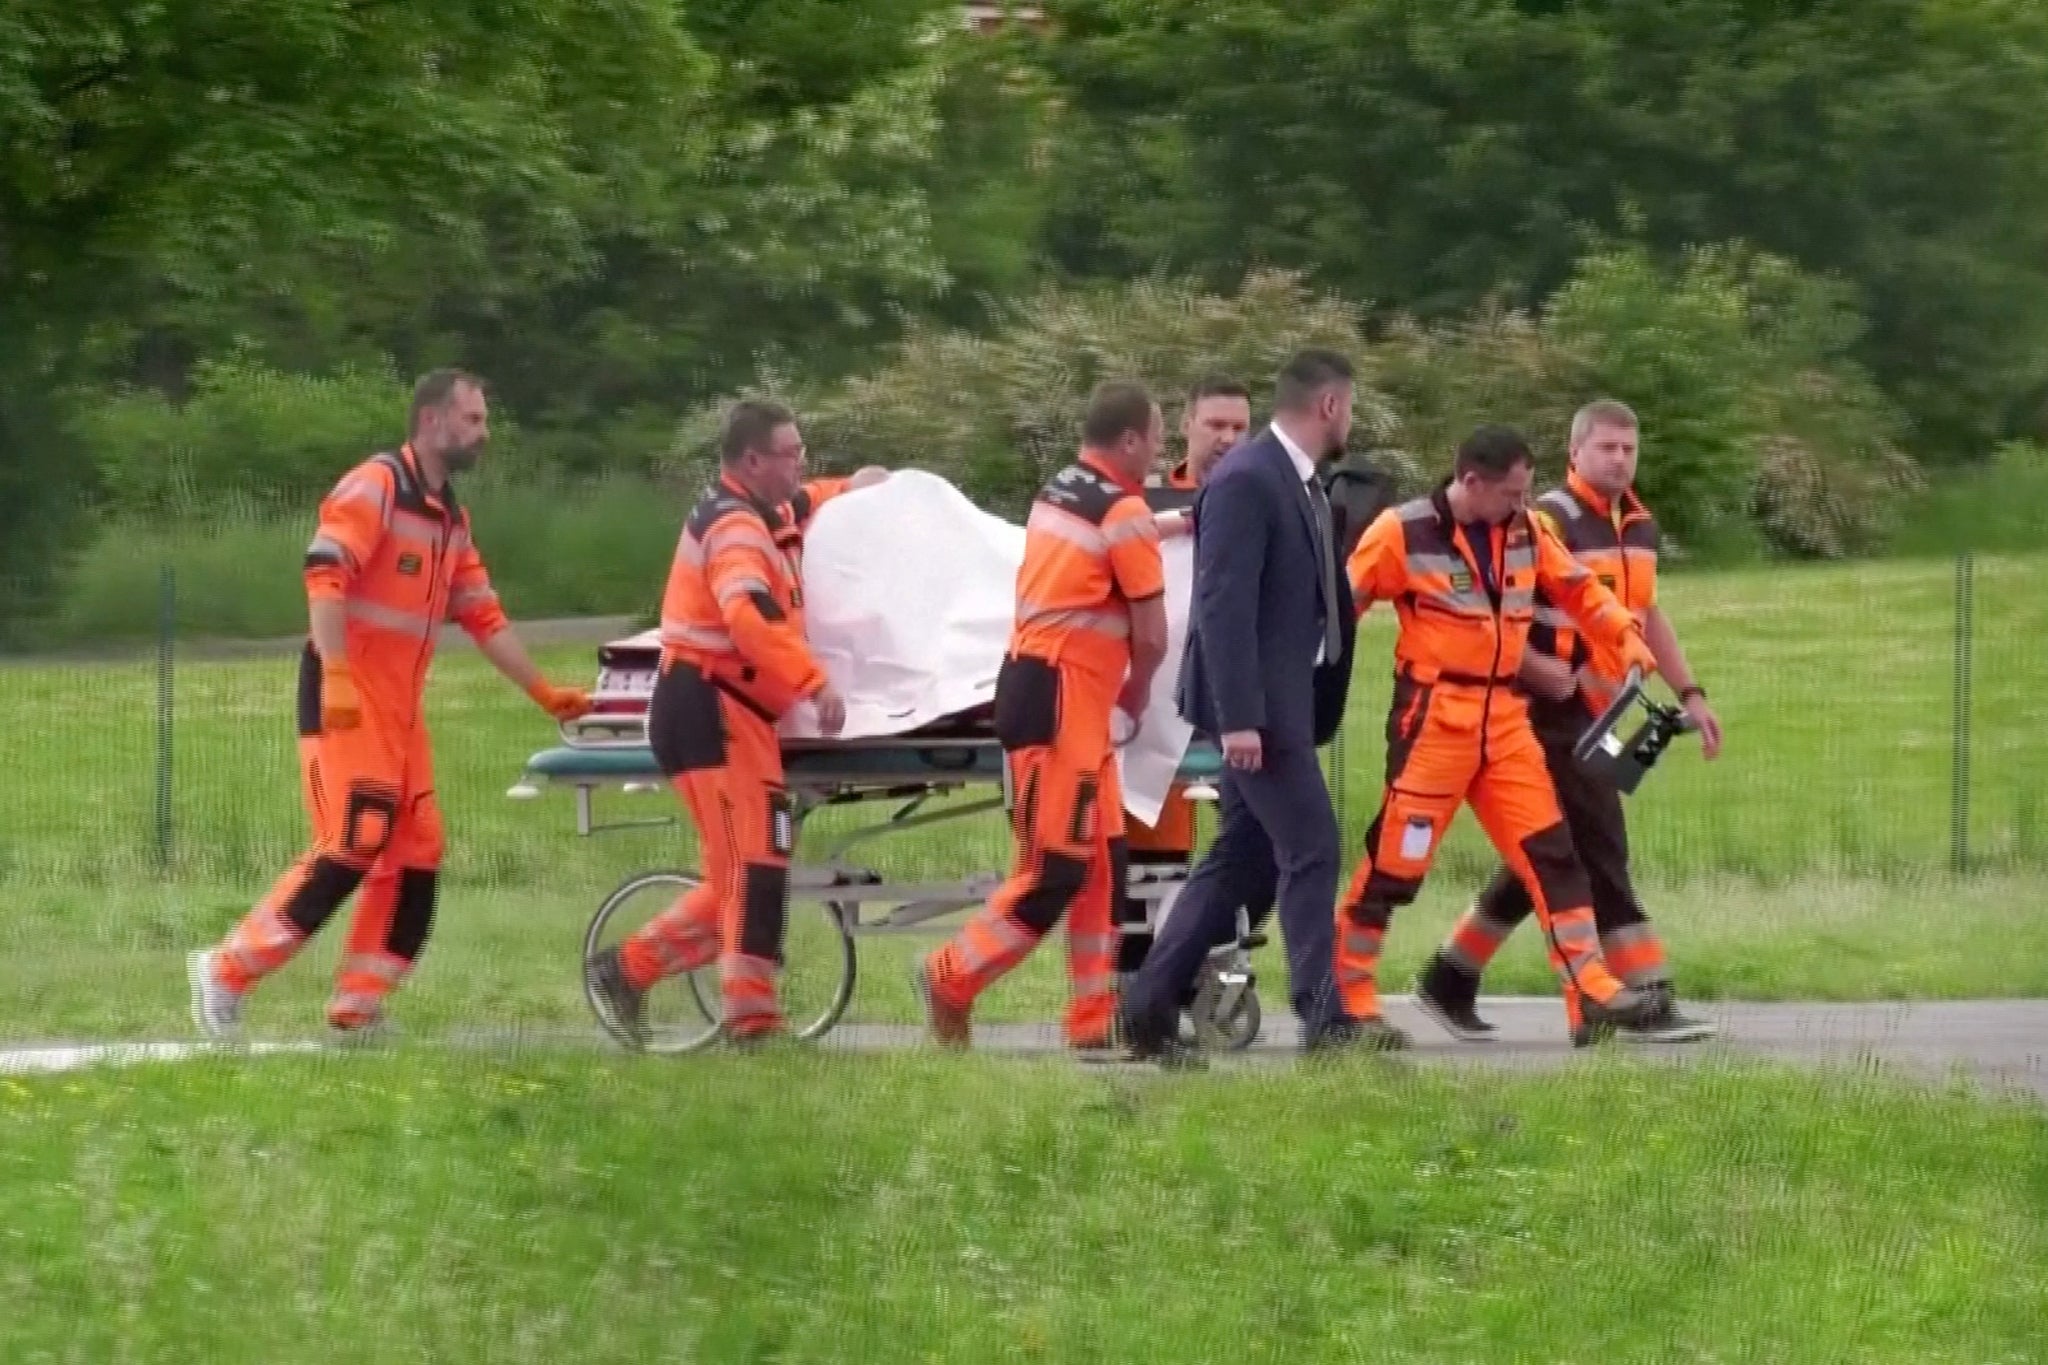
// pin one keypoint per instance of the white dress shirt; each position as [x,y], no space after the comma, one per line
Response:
[1305,469]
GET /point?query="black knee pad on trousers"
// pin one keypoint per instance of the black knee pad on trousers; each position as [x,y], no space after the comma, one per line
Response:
[328,883]
[763,910]
[1559,874]
[413,918]
[1060,879]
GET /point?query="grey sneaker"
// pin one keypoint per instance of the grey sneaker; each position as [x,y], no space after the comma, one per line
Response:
[1600,1022]
[620,1008]
[1356,1035]
[216,1010]
[1665,1023]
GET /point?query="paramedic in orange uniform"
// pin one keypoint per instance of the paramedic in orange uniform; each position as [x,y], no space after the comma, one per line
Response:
[390,561]
[1462,568]
[1218,414]
[1090,631]
[1612,534]
[734,661]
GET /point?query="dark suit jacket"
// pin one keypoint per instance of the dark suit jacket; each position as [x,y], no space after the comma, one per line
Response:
[1256,619]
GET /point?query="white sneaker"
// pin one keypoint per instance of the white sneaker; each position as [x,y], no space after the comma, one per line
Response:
[216,1010]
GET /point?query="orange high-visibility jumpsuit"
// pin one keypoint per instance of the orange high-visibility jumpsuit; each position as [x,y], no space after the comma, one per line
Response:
[401,559]
[1090,551]
[1169,841]
[733,662]
[1458,729]
[1617,542]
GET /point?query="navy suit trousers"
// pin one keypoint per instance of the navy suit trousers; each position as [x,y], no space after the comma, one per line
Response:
[1276,821]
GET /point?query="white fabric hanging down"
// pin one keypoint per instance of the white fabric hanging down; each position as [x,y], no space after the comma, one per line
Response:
[909,591]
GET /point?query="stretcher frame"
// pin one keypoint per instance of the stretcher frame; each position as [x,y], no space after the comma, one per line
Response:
[609,752]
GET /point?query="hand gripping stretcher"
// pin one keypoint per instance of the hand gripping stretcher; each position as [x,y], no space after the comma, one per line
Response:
[924,774]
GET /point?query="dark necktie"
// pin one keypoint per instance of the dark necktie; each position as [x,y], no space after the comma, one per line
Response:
[1326,533]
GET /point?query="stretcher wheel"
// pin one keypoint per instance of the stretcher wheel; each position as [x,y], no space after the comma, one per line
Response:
[1222,1018]
[682,1013]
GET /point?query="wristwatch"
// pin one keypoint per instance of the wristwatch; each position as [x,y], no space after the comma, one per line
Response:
[1691,690]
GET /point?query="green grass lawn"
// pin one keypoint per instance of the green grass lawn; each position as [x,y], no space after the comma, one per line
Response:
[443,1206]
[1808,862]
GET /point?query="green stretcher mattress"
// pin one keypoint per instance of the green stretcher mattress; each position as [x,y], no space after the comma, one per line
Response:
[864,762]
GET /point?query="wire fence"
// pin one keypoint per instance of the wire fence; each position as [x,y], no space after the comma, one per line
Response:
[1883,719]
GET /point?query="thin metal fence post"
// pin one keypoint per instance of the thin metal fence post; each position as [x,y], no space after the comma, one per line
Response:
[1959,760]
[167,597]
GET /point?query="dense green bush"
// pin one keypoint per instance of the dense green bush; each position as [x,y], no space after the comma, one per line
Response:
[999,414]
[1757,430]
[246,432]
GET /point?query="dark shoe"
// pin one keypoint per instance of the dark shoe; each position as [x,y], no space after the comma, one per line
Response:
[1665,1022]
[1368,1035]
[1450,996]
[617,998]
[1599,1022]
[950,1026]
[1158,1047]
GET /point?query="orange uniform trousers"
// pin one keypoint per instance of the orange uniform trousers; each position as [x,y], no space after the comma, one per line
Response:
[1487,757]
[721,755]
[1066,818]
[369,791]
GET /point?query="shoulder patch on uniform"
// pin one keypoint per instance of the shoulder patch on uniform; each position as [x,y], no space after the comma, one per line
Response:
[1081,491]
[715,506]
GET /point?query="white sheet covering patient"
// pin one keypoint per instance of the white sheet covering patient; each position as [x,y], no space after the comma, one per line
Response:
[909,594]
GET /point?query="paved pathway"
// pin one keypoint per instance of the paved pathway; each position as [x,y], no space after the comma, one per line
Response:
[2003,1045]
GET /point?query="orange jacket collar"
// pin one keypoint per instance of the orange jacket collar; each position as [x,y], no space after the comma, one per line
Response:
[1597,501]
[1100,465]
[772,515]
[410,458]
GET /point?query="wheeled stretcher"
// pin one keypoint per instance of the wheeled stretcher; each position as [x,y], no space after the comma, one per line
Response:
[949,771]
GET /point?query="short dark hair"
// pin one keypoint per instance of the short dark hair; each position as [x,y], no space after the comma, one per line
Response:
[749,425]
[1115,410]
[1217,386]
[433,389]
[1308,374]
[1492,451]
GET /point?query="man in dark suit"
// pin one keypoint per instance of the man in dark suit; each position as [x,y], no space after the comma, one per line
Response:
[1270,613]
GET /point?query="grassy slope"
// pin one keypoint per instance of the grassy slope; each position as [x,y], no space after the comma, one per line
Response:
[464,1209]
[1802,864]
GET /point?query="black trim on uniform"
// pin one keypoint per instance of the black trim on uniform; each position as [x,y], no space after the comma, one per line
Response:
[764,907]
[685,727]
[309,692]
[1083,492]
[1059,880]
[413,918]
[328,883]
[1027,702]
[367,799]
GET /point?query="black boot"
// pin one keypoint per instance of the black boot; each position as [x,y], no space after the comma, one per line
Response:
[1449,994]
[1665,1023]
